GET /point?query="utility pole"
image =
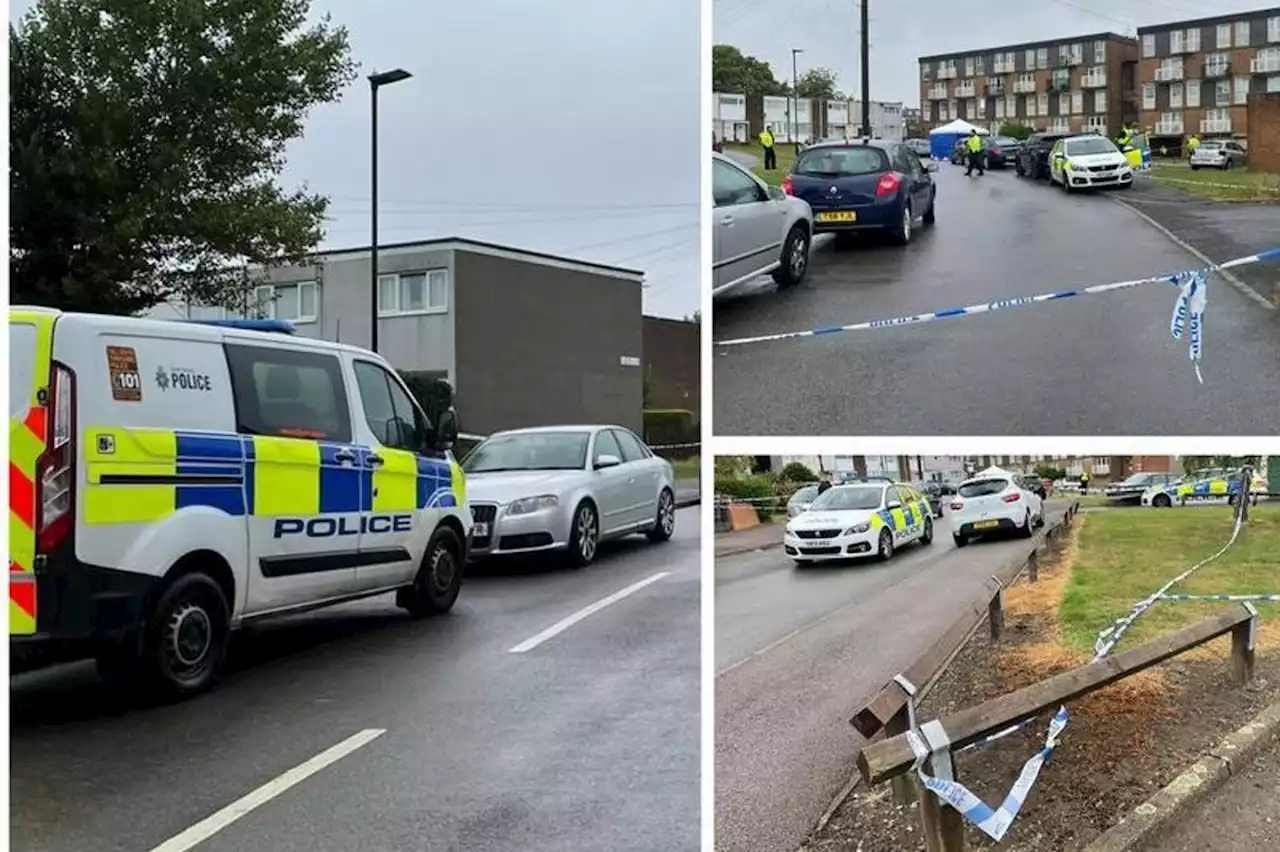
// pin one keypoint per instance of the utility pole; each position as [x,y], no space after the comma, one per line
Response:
[866,71]
[795,99]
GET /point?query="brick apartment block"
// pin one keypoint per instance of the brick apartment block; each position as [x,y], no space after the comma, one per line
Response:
[1072,84]
[1197,76]
[1264,132]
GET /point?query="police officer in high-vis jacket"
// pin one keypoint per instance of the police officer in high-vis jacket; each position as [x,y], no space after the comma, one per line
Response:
[973,145]
[770,156]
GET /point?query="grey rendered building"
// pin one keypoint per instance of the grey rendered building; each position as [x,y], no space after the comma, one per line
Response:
[524,338]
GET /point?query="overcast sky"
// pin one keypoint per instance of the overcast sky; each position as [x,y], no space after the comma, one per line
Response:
[569,127]
[828,31]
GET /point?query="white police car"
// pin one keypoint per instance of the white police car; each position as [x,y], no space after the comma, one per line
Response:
[857,520]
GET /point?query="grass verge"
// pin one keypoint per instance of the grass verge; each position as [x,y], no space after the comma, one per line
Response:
[1126,554]
[786,159]
[1233,185]
[687,468]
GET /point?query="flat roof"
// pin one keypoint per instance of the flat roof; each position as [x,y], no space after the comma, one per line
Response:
[482,247]
[1207,22]
[1028,45]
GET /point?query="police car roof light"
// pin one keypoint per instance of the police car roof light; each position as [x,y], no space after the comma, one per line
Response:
[277,325]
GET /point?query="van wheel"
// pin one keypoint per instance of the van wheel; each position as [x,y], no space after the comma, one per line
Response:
[184,640]
[439,578]
[584,535]
[794,260]
[665,524]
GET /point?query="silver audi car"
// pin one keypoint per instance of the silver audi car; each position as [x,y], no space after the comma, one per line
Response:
[566,488]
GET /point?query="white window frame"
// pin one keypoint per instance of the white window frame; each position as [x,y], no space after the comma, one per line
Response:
[397,310]
[267,297]
[1148,95]
[1099,100]
[1242,33]
[1224,37]
[1077,102]
[1177,41]
[1029,57]
[1064,104]
[1148,45]
[999,107]
[1099,53]
[1192,38]
[1029,105]
[1217,63]
[1240,90]
[1042,58]
[1175,96]
[1011,106]
[1222,93]
[968,66]
[1043,106]
[1273,28]
[1191,94]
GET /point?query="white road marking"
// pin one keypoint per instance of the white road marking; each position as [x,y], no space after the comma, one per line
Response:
[565,623]
[211,825]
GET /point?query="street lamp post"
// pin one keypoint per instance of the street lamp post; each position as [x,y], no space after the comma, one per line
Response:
[376,80]
[795,98]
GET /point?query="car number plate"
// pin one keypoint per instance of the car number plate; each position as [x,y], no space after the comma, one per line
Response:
[480,529]
[985,525]
[838,216]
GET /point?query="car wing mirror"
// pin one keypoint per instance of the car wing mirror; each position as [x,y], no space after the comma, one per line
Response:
[776,194]
[893,504]
[605,460]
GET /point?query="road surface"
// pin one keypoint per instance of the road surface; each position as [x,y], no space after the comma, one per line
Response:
[1099,365]
[589,740]
[798,652]
[1245,809]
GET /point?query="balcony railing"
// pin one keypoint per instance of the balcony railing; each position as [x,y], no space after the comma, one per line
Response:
[1002,68]
[1169,128]
[1058,86]
[1094,80]
[1168,73]
[937,93]
[965,89]
[1217,69]
[995,89]
[1184,47]
[1215,125]
[1268,64]
[1024,86]
[947,73]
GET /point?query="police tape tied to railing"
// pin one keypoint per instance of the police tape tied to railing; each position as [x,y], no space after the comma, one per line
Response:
[1188,310]
[931,741]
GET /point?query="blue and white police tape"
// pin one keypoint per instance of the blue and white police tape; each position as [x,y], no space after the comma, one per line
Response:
[1222,598]
[1191,303]
[993,822]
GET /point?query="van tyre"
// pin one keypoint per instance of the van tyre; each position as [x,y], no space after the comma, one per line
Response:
[584,535]
[439,578]
[183,641]
[665,524]
[794,260]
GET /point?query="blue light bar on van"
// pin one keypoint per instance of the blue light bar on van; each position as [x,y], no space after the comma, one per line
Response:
[277,325]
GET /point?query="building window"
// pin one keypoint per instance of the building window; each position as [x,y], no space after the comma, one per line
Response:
[1011,105]
[980,107]
[1099,53]
[1100,100]
[968,67]
[999,107]
[1175,41]
[1193,40]
[924,72]
[1029,104]
[1077,102]
[1242,33]
[979,67]
[1148,46]
[1043,98]
[1242,91]
[1148,95]
[1273,28]
[1215,64]
[414,293]
[1175,96]
[1193,94]
[1222,93]
[294,302]
[1064,104]
[1224,36]
[1042,57]
[1030,57]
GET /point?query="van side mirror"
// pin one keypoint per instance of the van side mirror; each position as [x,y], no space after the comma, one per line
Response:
[446,431]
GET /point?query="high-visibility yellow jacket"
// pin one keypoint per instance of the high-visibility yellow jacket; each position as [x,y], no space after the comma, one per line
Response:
[766,138]
[974,144]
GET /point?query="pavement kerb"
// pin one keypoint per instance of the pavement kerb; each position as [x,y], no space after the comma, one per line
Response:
[748,548]
[686,502]
[1231,279]
[1157,814]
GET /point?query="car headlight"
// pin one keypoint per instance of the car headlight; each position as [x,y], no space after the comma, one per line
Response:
[858,529]
[528,505]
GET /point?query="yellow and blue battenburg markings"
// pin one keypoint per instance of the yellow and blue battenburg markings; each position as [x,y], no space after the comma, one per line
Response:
[142,475]
[900,519]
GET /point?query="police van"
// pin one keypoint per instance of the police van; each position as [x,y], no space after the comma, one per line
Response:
[171,482]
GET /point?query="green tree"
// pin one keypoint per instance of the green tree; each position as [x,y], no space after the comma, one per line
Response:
[145,142]
[798,472]
[819,83]
[1014,130]
[732,71]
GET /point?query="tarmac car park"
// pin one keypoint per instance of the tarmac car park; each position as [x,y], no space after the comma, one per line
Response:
[860,519]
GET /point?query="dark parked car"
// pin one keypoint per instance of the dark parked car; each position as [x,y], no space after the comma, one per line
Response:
[1002,151]
[866,185]
[1130,490]
[1035,485]
[932,492]
[918,146]
[1033,155]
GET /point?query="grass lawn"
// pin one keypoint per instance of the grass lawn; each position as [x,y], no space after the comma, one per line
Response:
[1233,185]
[786,159]
[1126,554]
[1086,501]
[687,468]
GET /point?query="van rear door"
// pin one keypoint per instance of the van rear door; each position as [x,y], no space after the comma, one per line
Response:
[30,339]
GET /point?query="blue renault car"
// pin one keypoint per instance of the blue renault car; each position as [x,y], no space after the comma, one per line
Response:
[864,185]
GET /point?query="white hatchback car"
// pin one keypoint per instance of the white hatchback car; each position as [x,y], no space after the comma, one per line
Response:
[758,229]
[993,501]
[1088,162]
[859,519]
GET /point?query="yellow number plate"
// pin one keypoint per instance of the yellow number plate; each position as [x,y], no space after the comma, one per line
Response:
[838,216]
[985,525]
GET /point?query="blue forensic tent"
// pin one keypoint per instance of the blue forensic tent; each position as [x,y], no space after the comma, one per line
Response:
[943,139]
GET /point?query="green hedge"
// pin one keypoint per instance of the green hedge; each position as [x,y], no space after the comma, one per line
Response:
[671,426]
[755,489]
[433,393]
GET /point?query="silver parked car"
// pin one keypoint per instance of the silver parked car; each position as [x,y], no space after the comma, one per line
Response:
[801,500]
[1218,154]
[757,229]
[566,488]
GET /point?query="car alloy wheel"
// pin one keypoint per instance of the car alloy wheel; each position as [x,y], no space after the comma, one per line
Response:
[799,255]
[886,544]
[586,533]
[667,510]
[905,229]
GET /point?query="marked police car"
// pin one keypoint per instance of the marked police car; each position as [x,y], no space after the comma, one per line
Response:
[171,482]
[1214,484]
[858,519]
